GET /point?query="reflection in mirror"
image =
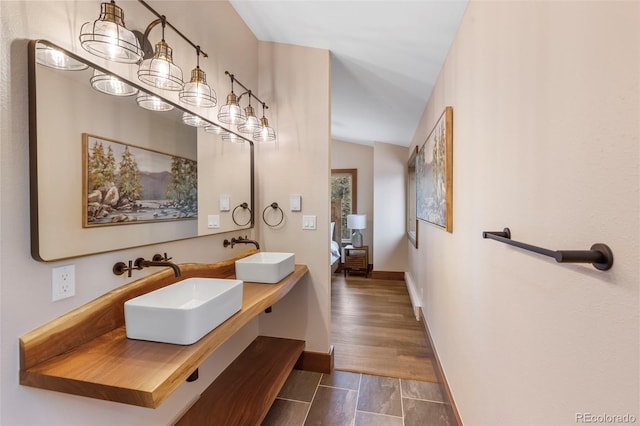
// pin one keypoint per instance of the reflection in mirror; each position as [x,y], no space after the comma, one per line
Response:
[64,106]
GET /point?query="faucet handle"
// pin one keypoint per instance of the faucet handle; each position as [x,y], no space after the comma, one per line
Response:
[160,258]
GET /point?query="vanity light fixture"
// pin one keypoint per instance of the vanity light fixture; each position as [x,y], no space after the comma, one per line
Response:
[252,124]
[231,113]
[108,37]
[153,103]
[159,71]
[197,92]
[111,85]
[53,58]
[193,120]
[264,133]
[261,130]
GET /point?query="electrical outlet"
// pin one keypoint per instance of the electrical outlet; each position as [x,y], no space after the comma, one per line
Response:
[63,282]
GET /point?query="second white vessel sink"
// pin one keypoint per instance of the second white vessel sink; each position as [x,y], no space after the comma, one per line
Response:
[182,313]
[265,267]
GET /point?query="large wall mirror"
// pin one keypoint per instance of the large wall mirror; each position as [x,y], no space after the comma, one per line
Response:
[107,174]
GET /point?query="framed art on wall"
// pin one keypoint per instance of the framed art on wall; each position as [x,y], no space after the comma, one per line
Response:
[434,174]
[125,184]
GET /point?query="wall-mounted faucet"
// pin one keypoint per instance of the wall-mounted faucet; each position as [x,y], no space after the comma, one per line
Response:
[158,260]
[140,263]
[240,240]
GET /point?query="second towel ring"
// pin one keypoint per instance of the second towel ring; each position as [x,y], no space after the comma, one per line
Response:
[244,206]
[274,206]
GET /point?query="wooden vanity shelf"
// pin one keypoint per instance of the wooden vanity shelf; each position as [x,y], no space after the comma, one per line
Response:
[86,352]
[244,392]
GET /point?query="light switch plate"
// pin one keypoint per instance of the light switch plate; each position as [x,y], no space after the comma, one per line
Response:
[309,222]
[295,203]
[213,221]
[224,203]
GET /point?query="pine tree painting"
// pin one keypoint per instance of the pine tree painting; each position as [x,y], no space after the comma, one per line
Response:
[129,184]
[434,174]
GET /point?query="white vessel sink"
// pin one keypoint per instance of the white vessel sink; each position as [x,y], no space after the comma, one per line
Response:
[265,267]
[183,312]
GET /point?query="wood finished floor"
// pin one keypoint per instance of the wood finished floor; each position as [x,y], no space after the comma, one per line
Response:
[374,330]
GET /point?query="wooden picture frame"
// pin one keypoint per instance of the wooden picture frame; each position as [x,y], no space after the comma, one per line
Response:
[125,184]
[412,220]
[434,174]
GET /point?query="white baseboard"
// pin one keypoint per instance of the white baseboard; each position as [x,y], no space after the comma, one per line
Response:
[414,295]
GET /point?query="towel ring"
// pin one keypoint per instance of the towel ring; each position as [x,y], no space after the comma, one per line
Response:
[244,206]
[274,206]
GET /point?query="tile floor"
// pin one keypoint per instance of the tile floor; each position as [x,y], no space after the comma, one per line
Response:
[354,399]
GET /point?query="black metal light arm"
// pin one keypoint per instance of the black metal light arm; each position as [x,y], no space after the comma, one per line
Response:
[247,90]
[162,18]
[600,255]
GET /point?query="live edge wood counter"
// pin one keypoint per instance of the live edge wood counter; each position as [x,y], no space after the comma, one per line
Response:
[86,352]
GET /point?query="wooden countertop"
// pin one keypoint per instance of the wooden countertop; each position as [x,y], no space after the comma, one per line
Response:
[109,366]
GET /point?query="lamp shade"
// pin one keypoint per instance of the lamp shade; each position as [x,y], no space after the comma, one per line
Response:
[153,103]
[252,124]
[160,71]
[111,85]
[357,221]
[231,113]
[193,120]
[108,38]
[197,92]
[53,58]
[264,133]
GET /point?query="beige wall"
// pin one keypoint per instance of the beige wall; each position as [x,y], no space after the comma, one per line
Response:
[25,285]
[347,155]
[545,110]
[297,81]
[389,224]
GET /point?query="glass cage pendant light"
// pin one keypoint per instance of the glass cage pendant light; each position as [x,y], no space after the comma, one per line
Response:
[252,124]
[111,85]
[264,133]
[107,37]
[193,120]
[54,58]
[160,71]
[231,113]
[214,128]
[152,103]
[232,137]
[197,92]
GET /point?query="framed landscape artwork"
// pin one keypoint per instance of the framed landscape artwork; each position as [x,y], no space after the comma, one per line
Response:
[434,174]
[125,184]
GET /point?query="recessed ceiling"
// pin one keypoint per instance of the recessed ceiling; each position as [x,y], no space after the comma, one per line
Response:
[385,56]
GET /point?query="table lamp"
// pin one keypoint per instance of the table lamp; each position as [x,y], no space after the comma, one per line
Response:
[356,222]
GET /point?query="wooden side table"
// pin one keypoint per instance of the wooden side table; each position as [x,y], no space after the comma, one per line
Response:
[356,259]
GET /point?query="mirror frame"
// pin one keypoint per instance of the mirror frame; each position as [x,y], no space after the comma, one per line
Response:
[33,152]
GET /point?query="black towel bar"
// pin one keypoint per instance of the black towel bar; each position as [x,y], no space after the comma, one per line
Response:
[600,255]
